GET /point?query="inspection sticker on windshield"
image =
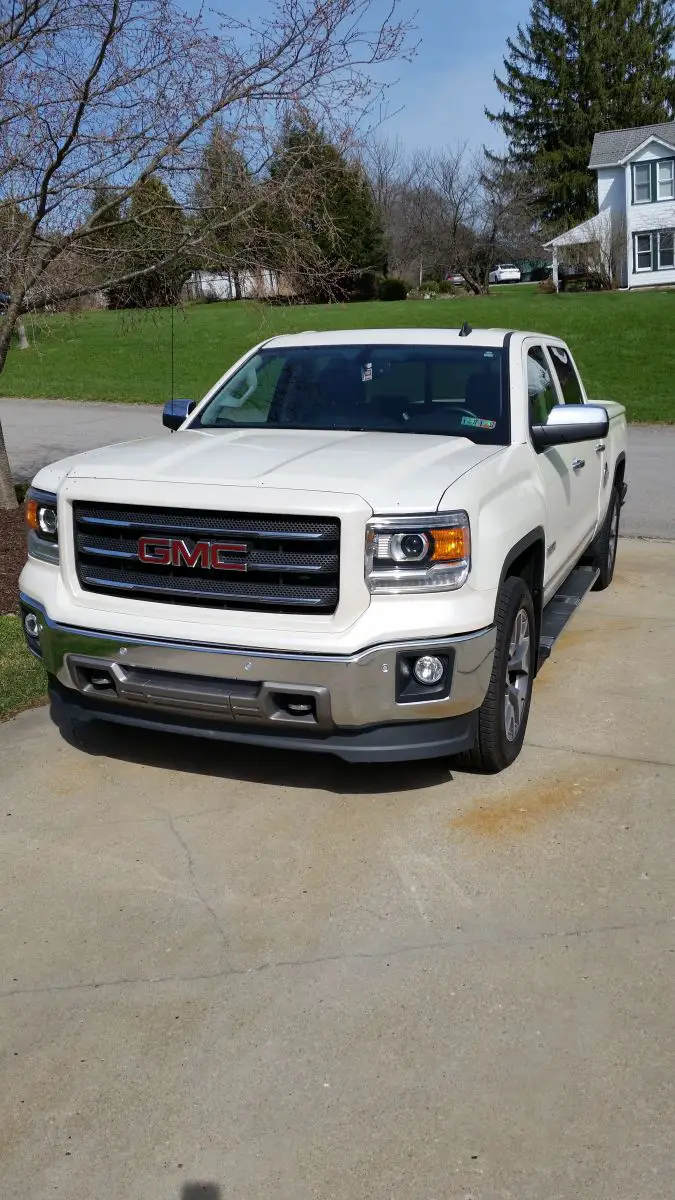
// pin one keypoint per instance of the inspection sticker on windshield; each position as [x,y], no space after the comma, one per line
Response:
[478,423]
[366,372]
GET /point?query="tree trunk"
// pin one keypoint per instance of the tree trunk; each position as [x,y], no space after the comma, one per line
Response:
[7,493]
[21,334]
[9,323]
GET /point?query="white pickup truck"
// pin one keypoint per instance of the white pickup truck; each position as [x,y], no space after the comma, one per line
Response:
[361,542]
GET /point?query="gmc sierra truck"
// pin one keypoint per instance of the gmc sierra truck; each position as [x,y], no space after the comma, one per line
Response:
[360,542]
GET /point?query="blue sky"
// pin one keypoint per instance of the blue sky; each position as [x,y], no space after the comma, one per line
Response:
[444,91]
[439,98]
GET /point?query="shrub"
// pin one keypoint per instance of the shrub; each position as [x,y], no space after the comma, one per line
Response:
[547,286]
[366,287]
[446,288]
[392,289]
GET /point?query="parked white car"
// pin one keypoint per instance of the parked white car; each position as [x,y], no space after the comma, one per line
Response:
[361,542]
[505,273]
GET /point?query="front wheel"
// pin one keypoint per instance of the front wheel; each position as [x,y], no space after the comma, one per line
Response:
[502,718]
[608,544]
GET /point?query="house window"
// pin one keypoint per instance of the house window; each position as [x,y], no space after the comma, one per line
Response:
[642,183]
[665,186]
[654,181]
[643,252]
[666,249]
[655,251]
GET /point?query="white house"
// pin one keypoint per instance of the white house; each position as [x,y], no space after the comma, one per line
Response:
[634,228]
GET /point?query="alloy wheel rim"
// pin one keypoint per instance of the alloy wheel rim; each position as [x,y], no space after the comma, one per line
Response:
[517,681]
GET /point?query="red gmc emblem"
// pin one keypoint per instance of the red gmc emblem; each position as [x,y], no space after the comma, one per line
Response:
[174,552]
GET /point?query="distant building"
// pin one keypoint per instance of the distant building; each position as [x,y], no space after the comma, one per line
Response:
[633,232]
[260,284]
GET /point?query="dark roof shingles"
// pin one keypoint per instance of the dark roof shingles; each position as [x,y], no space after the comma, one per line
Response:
[611,147]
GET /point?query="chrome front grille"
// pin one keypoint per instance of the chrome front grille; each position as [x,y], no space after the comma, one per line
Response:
[223,560]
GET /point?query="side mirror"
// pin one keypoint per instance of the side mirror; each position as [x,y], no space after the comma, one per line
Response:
[175,412]
[571,423]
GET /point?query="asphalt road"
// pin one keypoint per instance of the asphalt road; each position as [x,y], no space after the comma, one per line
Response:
[287,979]
[40,431]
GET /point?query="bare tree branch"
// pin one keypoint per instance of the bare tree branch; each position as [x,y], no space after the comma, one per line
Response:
[119,91]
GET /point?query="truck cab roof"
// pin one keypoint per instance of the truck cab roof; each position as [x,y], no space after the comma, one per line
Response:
[412,336]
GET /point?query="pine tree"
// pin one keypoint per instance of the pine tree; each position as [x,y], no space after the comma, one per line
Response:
[323,202]
[155,229]
[226,204]
[578,67]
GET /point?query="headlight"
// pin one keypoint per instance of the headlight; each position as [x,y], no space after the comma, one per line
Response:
[418,554]
[43,525]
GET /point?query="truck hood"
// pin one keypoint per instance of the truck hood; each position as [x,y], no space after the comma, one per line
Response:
[390,471]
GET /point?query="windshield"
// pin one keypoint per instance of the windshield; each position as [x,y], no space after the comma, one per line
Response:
[454,390]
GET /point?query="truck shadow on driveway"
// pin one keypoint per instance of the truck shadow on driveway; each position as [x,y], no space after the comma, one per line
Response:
[253,764]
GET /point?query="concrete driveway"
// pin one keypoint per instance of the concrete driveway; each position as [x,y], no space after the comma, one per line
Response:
[40,431]
[285,978]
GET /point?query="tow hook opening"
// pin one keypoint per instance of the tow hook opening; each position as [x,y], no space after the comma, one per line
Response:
[96,679]
[298,706]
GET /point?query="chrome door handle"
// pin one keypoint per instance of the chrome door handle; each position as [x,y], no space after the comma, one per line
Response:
[600,448]
[578,463]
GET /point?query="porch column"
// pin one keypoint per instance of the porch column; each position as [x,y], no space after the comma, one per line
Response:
[555,268]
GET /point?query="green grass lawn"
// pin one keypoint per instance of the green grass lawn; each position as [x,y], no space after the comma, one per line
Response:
[623,343]
[22,679]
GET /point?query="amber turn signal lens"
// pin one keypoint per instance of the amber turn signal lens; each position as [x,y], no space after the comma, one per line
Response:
[449,545]
[31,511]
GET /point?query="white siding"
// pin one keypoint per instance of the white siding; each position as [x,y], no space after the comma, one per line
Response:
[652,279]
[646,218]
[611,191]
[653,150]
[660,215]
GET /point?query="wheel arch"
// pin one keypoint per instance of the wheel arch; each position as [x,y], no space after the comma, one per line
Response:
[527,559]
[620,473]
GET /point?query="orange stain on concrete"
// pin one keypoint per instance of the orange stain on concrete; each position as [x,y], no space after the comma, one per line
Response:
[525,808]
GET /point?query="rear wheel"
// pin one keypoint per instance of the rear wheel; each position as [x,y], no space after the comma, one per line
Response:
[607,544]
[503,715]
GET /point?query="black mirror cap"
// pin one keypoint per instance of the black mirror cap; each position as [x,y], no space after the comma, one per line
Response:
[544,436]
[175,412]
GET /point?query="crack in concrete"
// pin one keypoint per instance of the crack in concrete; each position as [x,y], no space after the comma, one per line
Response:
[354,956]
[608,755]
[199,895]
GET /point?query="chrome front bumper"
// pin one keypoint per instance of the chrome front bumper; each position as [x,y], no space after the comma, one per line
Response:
[304,693]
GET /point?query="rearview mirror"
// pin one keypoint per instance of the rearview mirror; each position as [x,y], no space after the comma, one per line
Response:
[175,412]
[571,423]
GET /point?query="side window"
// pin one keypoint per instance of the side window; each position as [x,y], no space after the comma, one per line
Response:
[540,387]
[567,376]
[247,396]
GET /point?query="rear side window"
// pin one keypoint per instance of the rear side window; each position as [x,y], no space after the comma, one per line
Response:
[541,391]
[567,376]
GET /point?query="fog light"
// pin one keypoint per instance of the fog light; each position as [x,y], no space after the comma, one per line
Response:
[428,669]
[31,625]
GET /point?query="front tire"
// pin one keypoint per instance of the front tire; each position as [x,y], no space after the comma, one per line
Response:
[607,544]
[502,718]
